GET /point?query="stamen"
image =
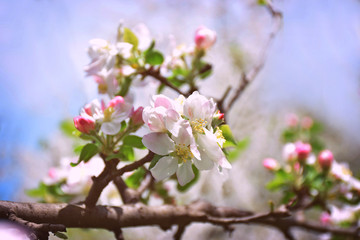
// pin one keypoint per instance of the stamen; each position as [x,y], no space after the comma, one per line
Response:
[102,88]
[107,114]
[198,125]
[183,152]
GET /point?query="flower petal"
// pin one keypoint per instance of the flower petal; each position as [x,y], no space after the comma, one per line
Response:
[165,167]
[204,164]
[185,173]
[110,128]
[159,143]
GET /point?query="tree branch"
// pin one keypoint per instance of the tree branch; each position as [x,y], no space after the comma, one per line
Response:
[115,218]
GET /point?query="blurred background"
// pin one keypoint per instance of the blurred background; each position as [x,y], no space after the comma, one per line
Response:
[312,68]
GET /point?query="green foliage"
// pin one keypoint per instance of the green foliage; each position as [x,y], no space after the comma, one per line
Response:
[131,38]
[68,128]
[61,235]
[87,152]
[226,132]
[124,87]
[191,183]
[134,141]
[281,179]
[154,57]
[135,179]
[240,146]
[49,193]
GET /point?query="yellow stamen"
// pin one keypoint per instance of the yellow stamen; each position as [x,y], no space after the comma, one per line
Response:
[220,137]
[198,125]
[102,88]
[183,152]
[107,114]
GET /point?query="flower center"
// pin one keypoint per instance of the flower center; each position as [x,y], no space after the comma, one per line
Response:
[102,88]
[183,152]
[107,114]
[219,136]
[198,125]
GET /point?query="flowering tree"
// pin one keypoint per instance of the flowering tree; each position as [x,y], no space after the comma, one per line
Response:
[184,136]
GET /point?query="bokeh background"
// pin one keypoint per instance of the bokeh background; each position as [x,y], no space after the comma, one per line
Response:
[312,68]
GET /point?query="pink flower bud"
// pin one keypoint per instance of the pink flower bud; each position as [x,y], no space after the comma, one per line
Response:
[270,164]
[292,120]
[204,37]
[83,124]
[136,117]
[303,150]
[325,218]
[219,115]
[325,159]
[116,102]
[307,122]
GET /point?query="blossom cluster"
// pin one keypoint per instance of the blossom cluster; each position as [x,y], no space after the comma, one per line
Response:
[107,117]
[182,133]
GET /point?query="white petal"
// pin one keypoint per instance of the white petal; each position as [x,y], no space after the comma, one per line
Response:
[209,148]
[165,167]
[110,128]
[204,164]
[159,143]
[185,173]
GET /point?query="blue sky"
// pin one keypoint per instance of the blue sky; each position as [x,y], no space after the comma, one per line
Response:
[314,62]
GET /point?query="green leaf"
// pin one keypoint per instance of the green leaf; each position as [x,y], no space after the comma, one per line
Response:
[281,179]
[87,152]
[38,192]
[127,153]
[226,132]
[134,141]
[78,149]
[61,235]
[68,128]
[154,57]
[135,179]
[131,38]
[192,182]
[262,2]
[234,154]
[154,161]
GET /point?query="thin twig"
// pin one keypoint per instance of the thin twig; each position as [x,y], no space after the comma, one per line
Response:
[247,78]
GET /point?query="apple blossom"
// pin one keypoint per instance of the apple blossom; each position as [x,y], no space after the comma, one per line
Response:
[292,120]
[325,159]
[270,164]
[204,37]
[117,111]
[136,117]
[84,124]
[177,155]
[289,152]
[303,150]
[307,122]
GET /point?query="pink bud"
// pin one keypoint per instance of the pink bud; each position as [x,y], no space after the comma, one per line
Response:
[307,122]
[325,218]
[136,117]
[270,164]
[325,159]
[219,115]
[116,102]
[292,120]
[303,150]
[83,124]
[204,37]
[297,167]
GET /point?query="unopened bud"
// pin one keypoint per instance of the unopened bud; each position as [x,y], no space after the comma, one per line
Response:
[303,150]
[116,102]
[83,124]
[307,122]
[270,164]
[325,159]
[292,120]
[204,37]
[136,117]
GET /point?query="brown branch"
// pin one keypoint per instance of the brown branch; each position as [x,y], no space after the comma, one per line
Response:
[247,78]
[115,218]
[110,173]
[156,74]
[127,194]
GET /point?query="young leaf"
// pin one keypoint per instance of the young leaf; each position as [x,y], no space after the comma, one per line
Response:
[61,235]
[131,38]
[127,153]
[68,128]
[88,151]
[226,131]
[135,179]
[281,179]
[239,148]
[133,141]
[154,57]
